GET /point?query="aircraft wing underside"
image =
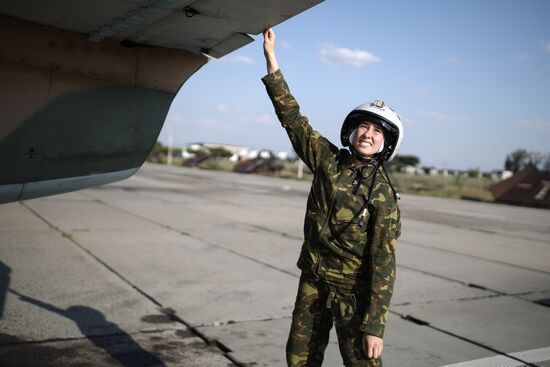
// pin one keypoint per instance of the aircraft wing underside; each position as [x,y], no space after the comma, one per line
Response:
[86,85]
[212,26]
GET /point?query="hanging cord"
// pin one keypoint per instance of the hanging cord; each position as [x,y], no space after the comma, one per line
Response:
[371,187]
[396,195]
[359,179]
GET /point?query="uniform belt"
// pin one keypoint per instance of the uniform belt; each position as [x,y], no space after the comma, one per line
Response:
[334,298]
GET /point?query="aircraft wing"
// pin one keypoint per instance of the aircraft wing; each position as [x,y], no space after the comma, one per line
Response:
[215,27]
[86,85]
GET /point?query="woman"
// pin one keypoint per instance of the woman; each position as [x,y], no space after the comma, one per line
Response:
[351,227]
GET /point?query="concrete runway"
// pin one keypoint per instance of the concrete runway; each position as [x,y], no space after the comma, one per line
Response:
[182,267]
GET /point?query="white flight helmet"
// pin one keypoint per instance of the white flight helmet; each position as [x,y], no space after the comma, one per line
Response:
[382,115]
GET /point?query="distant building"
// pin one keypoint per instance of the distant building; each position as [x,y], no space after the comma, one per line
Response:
[529,187]
[411,170]
[238,151]
[283,156]
[500,175]
[454,172]
[432,171]
[235,149]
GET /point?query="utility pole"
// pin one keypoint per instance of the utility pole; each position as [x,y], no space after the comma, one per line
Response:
[170,141]
[300,173]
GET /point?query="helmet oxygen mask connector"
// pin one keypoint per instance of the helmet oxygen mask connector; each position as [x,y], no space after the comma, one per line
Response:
[378,103]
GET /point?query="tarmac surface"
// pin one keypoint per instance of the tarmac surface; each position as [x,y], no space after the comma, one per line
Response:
[183,267]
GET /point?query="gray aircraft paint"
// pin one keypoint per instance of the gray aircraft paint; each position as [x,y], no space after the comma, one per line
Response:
[86,88]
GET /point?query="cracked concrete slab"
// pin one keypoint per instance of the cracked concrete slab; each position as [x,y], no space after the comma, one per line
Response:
[203,283]
[505,323]
[490,246]
[226,205]
[85,215]
[263,342]
[170,348]
[515,222]
[56,290]
[497,276]
[540,296]
[220,249]
[416,287]
[15,217]
[231,233]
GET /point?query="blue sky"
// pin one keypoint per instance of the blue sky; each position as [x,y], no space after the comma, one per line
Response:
[471,79]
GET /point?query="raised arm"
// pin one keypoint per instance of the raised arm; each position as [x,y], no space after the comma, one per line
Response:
[269,51]
[310,145]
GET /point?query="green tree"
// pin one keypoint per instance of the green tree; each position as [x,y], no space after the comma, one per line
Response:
[474,172]
[196,151]
[520,159]
[158,153]
[546,163]
[158,147]
[220,152]
[409,160]
[404,160]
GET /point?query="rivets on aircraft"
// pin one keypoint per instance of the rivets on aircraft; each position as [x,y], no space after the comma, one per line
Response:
[190,12]
[31,153]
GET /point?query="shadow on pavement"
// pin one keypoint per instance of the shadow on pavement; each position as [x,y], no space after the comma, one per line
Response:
[4,285]
[127,352]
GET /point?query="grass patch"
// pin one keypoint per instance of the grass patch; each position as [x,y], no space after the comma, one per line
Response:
[444,186]
[440,186]
[217,164]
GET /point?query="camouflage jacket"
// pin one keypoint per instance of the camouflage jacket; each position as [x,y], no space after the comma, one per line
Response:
[339,246]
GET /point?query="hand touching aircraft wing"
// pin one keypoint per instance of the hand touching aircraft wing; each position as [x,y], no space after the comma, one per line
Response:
[85,86]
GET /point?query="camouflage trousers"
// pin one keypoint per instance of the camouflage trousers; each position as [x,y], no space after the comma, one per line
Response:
[319,306]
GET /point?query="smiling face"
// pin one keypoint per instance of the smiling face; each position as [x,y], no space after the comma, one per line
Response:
[368,139]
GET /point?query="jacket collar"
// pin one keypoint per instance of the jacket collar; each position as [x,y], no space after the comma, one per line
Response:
[352,163]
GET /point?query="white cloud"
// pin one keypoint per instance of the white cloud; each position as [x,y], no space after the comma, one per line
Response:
[521,57]
[237,59]
[440,117]
[333,55]
[263,119]
[536,124]
[221,107]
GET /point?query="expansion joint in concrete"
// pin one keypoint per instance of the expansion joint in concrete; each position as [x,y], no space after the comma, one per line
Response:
[421,322]
[210,243]
[475,257]
[168,311]
[236,322]
[449,299]
[496,293]
[91,337]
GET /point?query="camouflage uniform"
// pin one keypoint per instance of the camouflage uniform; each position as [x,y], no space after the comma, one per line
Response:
[348,255]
